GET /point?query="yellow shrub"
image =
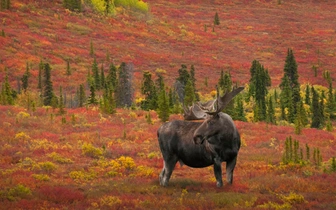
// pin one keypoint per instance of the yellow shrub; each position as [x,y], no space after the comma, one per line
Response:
[41,177]
[126,162]
[22,115]
[59,159]
[22,135]
[145,171]
[110,201]
[82,176]
[91,151]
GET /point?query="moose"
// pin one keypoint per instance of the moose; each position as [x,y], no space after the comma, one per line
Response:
[200,144]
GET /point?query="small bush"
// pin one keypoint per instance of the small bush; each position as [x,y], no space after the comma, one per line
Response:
[41,177]
[59,159]
[91,151]
[18,192]
[110,201]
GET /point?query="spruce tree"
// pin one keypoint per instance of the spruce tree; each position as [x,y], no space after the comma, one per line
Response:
[61,107]
[216,20]
[82,97]
[163,106]
[124,90]
[102,77]
[7,93]
[330,106]
[316,112]
[111,78]
[48,91]
[148,89]
[96,76]
[92,98]
[189,94]
[270,116]
[25,79]
[307,95]
[68,69]
[291,79]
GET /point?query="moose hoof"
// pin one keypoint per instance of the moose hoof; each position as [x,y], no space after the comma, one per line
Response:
[219,184]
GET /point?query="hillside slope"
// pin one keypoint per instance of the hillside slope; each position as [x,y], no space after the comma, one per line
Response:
[172,34]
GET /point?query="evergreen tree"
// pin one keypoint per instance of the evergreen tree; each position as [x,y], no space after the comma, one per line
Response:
[216,20]
[159,83]
[3,34]
[316,112]
[184,75]
[5,4]
[91,49]
[163,106]
[82,96]
[239,109]
[270,115]
[96,76]
[108,103]
[124,90]
[307,95]
[189,94]
[73,5]
[224,86]
[48,91]
[330,106]
[291,79]
[7,93]
[193,81]
[102,77]
[68,69]
[111,78]
[148,89]
[92,98]
[25,79]
[41,67]
[61,110]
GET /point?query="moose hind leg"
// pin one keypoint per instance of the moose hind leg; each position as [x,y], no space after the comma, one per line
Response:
[167,170]
[230,165]
[218,172]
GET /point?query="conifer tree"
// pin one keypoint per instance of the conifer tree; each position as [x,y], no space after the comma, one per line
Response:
[61,110]
[216,20]
[91,49]
[48,91]
[96,76]
[163,106]
[92,98]
[270,115]
[82,97]
[25,79]
[330,106]
[307,95]
[7,93]
[316,112]
[239,109]
[159,82]
[124,90]
[189,94]
[68,69]
[291,79]
[148,89]
[108,103]
[102,77]
[111,78]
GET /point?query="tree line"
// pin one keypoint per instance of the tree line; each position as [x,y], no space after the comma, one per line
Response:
[288,103]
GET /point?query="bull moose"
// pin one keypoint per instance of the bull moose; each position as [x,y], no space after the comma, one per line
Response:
[201,144]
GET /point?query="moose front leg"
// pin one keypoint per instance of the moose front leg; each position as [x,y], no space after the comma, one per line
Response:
[218,171]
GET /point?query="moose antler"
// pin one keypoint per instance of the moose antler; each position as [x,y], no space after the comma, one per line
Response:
[223,101]
[200,111]
[194,112]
